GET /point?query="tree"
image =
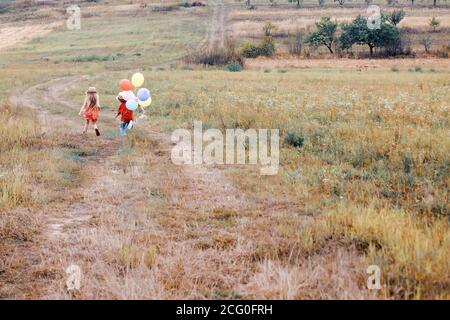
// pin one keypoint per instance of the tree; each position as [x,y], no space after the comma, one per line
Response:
[269,28]
[325,34]
[434,23]
[357,32]
[341,2]
[395,17]
[426,42]
[299,2]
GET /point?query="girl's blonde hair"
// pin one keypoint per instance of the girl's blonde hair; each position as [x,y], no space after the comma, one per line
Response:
[91,101]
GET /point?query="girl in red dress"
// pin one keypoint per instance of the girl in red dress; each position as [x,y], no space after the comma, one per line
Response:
[91,109]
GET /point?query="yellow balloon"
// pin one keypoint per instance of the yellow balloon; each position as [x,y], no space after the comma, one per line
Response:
[137,79]
[145,103]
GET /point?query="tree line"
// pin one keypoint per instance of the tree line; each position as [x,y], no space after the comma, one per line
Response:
[299,3]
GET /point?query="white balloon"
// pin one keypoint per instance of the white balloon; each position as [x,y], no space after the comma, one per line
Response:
[128,95]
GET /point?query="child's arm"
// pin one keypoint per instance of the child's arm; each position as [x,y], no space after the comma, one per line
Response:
[118,112]
[83,107]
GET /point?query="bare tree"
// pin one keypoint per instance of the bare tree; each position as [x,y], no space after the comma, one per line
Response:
[426,42]
[295,43]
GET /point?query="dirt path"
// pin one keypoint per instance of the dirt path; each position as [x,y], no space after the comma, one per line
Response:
[218,29]
[140,227]
[110,190]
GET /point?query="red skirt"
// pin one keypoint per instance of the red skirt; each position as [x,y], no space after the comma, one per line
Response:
[91,114]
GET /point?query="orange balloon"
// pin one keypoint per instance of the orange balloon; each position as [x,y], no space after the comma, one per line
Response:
[125,85]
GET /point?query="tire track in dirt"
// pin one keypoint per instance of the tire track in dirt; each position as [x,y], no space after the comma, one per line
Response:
[197,188]
[59,218]
[217,32]
[109,208]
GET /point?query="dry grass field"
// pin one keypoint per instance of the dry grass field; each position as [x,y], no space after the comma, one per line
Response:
[364,159]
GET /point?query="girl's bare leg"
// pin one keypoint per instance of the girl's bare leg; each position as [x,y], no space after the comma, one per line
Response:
[86,126]
[97,132]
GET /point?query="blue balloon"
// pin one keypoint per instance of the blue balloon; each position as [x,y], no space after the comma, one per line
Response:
[132,105]
[143,94]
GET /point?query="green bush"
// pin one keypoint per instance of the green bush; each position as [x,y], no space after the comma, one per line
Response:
[294,139]
[95,57]
[234,67]
[250,50]
[254,50]
[268,48]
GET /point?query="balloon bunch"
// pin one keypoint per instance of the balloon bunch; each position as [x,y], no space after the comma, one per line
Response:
[142,98]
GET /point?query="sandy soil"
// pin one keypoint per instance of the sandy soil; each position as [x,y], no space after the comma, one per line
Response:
[13,35]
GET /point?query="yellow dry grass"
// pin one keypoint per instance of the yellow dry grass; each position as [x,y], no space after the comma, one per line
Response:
[287,62]
[411,251]
[368,185]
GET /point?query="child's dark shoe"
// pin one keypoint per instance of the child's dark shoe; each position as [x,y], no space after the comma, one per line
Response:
[97,132]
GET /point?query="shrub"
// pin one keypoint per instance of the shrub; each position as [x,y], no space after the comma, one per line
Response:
[165,8]
[294,139]
[234,67]
[250,50]
[191,4]
[217,56]
[94,57]
[264,48]
[426,42]
[434,23]
[444,52]
[254,50]
[269,29]
[396,16]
